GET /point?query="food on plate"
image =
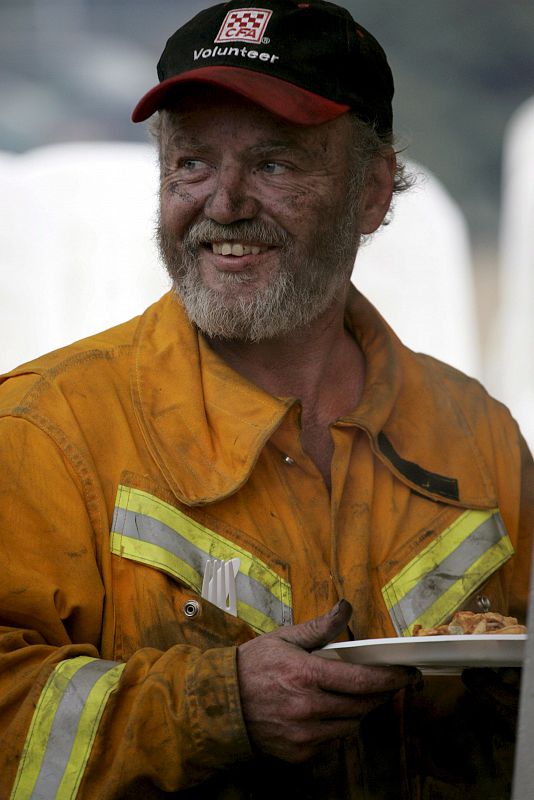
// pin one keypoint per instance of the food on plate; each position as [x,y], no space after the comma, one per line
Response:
[468,622]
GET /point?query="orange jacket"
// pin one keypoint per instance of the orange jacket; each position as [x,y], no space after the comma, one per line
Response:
[129,457]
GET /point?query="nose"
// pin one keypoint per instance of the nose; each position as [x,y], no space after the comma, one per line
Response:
[231,199]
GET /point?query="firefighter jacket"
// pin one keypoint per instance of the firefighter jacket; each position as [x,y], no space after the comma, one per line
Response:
[132,456]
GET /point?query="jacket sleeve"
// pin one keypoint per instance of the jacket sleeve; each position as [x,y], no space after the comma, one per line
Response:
[73,724]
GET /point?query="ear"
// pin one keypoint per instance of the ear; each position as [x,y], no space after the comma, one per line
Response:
[378,191]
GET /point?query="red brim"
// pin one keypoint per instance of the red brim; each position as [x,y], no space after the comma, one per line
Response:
[274,94]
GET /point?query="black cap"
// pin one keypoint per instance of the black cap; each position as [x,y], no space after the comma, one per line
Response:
[306,62]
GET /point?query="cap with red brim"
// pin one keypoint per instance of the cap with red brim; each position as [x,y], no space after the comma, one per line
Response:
[307,62]
[277,96]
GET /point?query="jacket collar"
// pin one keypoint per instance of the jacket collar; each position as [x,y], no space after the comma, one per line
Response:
[412,407]
[205,425]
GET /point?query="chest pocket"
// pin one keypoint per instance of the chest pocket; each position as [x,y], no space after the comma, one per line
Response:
[438,580]
[150,531]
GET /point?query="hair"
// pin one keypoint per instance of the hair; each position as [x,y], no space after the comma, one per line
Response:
[367,144]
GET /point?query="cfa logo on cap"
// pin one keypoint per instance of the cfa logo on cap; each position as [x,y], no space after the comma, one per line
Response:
[244,25]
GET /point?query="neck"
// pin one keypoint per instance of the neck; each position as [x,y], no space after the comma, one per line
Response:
[322,365]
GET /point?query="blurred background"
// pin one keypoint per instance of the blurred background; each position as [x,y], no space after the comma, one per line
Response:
[72,70]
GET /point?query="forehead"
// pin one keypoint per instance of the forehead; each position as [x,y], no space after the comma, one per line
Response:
[206,113]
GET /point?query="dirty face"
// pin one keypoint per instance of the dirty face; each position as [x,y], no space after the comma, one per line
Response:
[258,223]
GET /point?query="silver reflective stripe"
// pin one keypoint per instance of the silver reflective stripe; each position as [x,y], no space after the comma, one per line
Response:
[147,529]
[457,571]
[65,728]
[144,528]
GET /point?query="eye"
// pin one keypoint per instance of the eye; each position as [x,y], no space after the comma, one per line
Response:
[189,169]
[192,164]
[273,168]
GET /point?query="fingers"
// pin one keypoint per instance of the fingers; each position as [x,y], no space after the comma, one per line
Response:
[358,679]
[338,676]
[298,730]
[324,706]
[319,631]
[292,699]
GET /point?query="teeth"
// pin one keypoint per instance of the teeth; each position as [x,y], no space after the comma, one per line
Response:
[236,249]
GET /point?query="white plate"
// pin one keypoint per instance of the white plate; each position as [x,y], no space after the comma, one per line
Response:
[433,655]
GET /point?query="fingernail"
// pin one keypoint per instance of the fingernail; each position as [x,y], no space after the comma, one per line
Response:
[338,608]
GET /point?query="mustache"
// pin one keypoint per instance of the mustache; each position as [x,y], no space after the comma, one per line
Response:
[246,231]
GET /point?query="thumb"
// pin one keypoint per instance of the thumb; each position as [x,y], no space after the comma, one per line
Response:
[319,631]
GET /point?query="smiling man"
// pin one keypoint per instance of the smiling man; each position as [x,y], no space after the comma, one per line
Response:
[261,413]
[271,196]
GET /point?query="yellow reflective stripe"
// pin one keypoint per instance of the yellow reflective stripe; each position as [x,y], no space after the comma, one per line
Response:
[88,726]
[154,556]
[153,532]
[449,602]
[37,738]
[260,622]
[431,586]
[209,541]
[143,503]
[447,541]
[63,729]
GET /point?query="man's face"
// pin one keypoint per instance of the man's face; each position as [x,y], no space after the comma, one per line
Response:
[258,227]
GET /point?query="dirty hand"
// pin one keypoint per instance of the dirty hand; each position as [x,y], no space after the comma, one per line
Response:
[294,702]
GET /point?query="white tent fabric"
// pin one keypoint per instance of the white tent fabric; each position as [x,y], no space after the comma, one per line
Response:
[79,255]
[418,272]
[76,242]
[511,377]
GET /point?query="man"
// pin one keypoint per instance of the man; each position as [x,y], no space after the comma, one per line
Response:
[262,411]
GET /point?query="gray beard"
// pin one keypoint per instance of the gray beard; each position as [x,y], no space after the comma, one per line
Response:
[296,295]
